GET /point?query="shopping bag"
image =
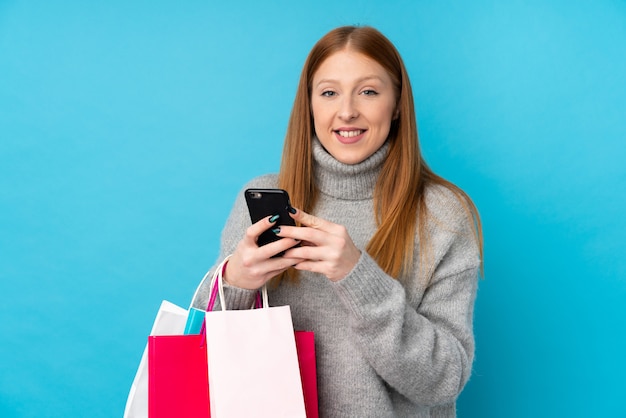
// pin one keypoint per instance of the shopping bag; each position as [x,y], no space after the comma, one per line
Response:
[170,320]
[305,345]
[166,345]
[195,321]
[177,379]
[252,362]
[178,382]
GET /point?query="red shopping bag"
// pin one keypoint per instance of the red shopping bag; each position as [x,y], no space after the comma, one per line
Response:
[177,377]
[305,346]
[170,320]
[178,383]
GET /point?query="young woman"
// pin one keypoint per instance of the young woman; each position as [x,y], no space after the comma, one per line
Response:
[387,269]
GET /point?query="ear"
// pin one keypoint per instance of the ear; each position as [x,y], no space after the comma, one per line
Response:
[396,113]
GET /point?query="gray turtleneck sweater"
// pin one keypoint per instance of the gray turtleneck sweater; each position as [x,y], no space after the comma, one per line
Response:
[385,347]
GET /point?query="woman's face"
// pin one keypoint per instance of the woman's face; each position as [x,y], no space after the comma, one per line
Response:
[353,102]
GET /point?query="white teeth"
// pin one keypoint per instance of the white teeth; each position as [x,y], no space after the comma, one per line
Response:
[350,134]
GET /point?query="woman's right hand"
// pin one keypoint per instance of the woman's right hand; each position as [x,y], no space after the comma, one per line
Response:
[251,266]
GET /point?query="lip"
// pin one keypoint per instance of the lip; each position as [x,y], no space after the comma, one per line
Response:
[349,139]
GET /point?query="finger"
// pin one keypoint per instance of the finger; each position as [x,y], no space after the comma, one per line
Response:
[333,271]
[319,267]
[248,273]
[277,247]
[311,221]
[304,234]
[312,253]
[277,265]
[256,229]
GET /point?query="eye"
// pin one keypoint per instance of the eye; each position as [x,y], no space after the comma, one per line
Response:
[369,92]
[328,93]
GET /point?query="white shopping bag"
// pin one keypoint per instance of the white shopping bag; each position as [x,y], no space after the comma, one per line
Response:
[252,362]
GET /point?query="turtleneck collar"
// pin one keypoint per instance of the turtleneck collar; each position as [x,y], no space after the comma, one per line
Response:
[347,181]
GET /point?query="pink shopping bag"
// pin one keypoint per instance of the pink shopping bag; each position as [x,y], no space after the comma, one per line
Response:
[252,362]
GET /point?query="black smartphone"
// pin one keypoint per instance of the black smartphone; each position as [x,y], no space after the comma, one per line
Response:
[268,202]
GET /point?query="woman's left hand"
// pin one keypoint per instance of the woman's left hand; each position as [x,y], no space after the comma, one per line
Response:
[326,247]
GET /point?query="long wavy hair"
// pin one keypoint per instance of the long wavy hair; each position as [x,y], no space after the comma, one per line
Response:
[399,194]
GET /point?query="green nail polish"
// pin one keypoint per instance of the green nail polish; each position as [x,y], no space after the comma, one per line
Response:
[292,210]
[276,230]
[274,218]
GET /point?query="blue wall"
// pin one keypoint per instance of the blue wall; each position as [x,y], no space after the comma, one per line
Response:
[127,129]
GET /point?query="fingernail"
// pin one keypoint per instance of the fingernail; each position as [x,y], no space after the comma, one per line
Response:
[276,230]
[292,210]
[274,218]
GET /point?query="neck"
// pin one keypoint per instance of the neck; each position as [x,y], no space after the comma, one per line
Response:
[347,181]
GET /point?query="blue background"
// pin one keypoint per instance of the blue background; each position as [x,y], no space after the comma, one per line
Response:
[128,128]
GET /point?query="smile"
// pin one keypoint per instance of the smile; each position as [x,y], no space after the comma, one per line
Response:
[350,134]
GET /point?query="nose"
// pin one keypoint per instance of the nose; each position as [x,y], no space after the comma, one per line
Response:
[348,110]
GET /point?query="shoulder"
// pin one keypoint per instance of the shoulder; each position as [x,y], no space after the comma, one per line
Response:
[451,227]
[266,181]
[447,205]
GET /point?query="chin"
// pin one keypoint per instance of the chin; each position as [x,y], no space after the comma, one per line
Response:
[350,160]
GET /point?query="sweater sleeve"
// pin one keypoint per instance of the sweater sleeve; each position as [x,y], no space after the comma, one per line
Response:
[423,349]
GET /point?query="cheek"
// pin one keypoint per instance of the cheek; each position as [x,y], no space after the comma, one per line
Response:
[388,116]
[383,125]
[320,117]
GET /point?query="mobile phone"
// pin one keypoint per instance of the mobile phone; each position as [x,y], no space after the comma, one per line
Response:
[268,202]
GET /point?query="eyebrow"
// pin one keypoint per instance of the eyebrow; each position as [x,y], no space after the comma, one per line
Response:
[359,80]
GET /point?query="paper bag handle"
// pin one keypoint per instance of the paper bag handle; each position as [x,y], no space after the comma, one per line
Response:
[217,288]
[219,268]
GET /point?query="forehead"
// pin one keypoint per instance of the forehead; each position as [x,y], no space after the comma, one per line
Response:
[348,65]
